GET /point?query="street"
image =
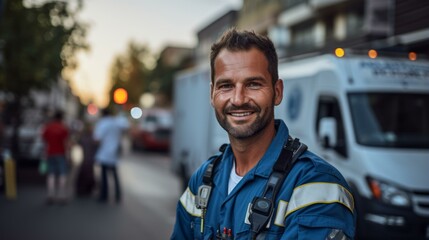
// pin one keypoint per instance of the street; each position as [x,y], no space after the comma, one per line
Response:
[150,193]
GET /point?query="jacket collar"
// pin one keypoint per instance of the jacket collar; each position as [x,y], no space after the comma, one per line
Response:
[265,165]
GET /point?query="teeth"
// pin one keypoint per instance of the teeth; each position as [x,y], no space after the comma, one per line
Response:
[240,114]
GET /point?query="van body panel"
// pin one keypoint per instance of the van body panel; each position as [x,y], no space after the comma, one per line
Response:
[409,169]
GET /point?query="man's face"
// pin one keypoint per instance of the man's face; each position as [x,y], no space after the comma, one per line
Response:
[242,93]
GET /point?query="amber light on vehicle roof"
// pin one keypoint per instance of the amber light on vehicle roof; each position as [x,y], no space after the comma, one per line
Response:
[339,52]
[412,56]
[372,53]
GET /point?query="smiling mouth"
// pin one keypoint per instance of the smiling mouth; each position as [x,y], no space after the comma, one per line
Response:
[240,114]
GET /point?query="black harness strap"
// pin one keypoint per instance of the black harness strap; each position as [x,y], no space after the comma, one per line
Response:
[208,174]
[262,208]
[204,191]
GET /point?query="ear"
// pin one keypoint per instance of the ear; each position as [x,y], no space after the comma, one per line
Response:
[278,91]
[211,94]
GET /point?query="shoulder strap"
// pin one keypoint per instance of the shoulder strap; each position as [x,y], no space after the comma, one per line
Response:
[289,154]
[204,191]
[203,195]
[208,174]
[291,151]
[261,209]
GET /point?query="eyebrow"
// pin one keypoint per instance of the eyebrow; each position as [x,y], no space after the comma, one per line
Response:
[222,81]
[256,78]
[249,79]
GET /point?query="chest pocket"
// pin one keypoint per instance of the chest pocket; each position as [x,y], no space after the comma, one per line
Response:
[265,235]
[273,233]
[208,231]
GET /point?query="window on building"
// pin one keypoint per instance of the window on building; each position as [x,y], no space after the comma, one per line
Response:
[303,36]
[354,23]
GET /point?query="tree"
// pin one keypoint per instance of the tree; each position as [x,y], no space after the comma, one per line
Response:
[38,41]
[161,77]
[130,71]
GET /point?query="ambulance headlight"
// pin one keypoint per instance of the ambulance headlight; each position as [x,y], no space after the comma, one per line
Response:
[389,193]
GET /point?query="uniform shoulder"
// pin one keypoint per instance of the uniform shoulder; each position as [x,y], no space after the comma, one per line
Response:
[312,163]
[197,176]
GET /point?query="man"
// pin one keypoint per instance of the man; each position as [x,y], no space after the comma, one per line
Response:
[55,135]
[236,199]
[108,134]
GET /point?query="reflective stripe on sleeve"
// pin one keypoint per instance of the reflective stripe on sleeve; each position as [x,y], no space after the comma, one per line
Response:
[314,193]
[188,202]
[280,214]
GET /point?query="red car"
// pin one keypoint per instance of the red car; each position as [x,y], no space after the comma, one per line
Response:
[153,130]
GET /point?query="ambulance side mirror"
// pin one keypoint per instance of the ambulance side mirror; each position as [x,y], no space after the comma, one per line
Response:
[328,132]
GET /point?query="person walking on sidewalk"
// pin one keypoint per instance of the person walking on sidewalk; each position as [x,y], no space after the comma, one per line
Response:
[85,181]
[108,134]
[55,135]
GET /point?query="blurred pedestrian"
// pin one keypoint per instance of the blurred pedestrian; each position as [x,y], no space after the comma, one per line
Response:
[56,137]
[85,181]
[108,134]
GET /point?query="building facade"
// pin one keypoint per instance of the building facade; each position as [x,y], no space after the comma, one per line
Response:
[299,27]
[210,33]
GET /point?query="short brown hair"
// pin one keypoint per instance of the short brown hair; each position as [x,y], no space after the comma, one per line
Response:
[234,40]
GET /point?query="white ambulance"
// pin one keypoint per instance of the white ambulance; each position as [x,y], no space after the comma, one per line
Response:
[196,133]
[369,117]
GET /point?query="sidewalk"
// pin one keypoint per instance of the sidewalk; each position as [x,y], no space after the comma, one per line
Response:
[29,218]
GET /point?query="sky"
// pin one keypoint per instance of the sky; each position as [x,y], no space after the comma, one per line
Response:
[155,23]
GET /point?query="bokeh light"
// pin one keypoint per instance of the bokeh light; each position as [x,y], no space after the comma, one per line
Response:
[120,96]
[136,112]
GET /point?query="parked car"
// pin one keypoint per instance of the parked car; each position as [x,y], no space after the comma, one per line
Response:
[31,146]
[153,130]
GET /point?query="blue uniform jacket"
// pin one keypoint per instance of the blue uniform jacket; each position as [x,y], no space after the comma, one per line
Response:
[314,200]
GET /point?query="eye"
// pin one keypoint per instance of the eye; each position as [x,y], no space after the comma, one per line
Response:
[225,86]
[254,85]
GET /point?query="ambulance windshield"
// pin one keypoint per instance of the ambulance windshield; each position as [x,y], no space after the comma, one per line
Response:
[399,120]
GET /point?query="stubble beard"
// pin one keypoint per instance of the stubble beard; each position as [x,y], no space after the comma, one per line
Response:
[245,130]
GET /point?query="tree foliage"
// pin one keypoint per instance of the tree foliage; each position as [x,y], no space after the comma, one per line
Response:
[130,71]
[161,77]
[37,43]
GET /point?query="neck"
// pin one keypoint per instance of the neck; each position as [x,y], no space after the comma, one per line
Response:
[248,152]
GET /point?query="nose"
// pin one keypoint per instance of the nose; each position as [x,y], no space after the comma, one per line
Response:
[239,96]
